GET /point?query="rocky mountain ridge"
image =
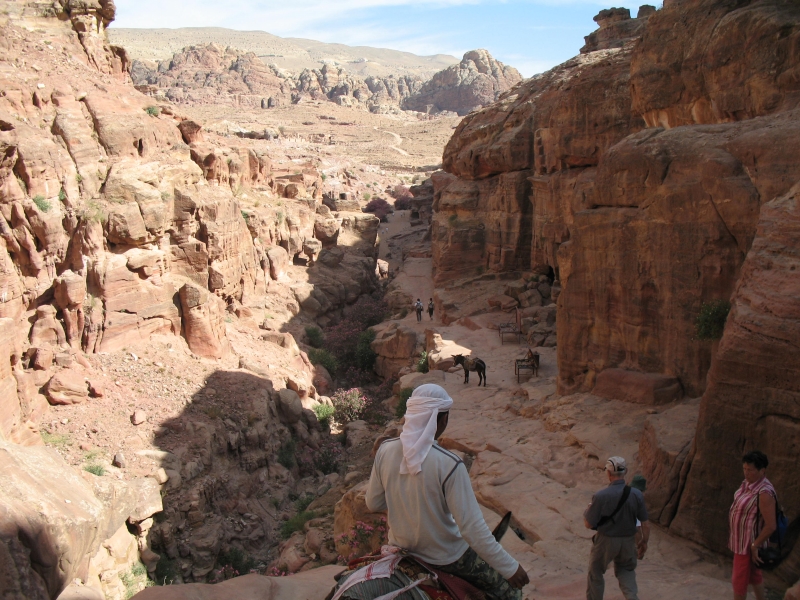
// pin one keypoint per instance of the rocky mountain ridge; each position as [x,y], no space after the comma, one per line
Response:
[213,74]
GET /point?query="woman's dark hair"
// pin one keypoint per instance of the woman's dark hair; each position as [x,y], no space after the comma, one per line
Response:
[756,458]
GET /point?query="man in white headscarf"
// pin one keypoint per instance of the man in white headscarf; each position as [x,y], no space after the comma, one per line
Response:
[433,513]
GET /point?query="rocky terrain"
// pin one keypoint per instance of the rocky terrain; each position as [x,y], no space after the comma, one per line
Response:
[213,74]
[649,176]
[164,265]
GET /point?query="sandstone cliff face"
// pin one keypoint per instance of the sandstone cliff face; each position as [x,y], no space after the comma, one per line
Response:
[476,81]
[652,174]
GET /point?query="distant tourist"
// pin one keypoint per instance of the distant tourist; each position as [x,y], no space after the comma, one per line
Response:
[613,513]
[755,495]
[430,309]
[418,308]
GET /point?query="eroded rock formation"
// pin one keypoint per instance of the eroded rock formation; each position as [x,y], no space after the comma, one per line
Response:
[650,175]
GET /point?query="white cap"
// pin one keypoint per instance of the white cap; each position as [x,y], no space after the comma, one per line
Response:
[616,465]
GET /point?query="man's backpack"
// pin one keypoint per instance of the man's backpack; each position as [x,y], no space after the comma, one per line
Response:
[623,499]
[773,555]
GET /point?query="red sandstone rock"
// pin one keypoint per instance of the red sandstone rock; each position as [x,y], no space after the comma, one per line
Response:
[753,395]
[67,387]
[202,322]
[639,388]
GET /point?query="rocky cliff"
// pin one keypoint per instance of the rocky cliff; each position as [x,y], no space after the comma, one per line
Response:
[476,81]
[650,175]
[212,74]
[121,220]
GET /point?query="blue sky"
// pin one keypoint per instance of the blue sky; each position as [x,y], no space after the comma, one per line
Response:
[531,35]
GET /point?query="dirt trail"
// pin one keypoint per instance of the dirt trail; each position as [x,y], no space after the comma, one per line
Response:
[541,457]
[397,138]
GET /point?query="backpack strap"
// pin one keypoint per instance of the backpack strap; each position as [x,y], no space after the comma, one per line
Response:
[625,493]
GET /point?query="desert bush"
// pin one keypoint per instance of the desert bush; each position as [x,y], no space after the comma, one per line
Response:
[422,363]
[320,356]
[365,355]
[711,321]
[286,453]
[95,469]
[328,458]
[324,413]
[238,559]
[379,207]
[367,196]
[348,405]
[41,203]
[153,111]
[296,523]
[405,394]
[315,337]
[403,203]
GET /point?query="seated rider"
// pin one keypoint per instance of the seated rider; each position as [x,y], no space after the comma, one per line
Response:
[433,513]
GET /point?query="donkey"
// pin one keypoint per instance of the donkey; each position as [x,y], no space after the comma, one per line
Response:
[471,364]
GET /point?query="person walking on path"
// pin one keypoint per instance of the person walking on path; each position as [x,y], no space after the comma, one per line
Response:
[752,519]
[430,309]
[418,308]
[613,513]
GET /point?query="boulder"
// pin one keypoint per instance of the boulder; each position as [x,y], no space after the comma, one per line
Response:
[394,346]
[348,511]
[663,452]
[290,404]
[278,262]
[639,388]
[70,290]
[315,584]
[203,324]
[67,387]
[47,331]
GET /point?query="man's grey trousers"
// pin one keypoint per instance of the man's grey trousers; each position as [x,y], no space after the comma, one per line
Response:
[620,550]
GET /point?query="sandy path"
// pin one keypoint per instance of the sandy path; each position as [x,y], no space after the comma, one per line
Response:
[544,465]
[398,140]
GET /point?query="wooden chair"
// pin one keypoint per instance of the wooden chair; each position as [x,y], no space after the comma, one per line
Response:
[530,362]
[512,327]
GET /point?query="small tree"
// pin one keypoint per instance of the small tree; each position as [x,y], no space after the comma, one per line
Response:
[348,405]
[710,323]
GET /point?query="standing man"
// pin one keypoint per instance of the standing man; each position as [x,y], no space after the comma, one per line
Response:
[613,513]
[430,309]
[432,510]
[418,308]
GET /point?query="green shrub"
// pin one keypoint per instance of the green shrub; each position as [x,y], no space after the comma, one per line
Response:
[367,196]
[42,204]
[324,413]
[296,523]
[315,337]
[56,440]
[135,580]
[365,355]
[236,558]
[245,216]
[328,458]
[167,570]
[348,405]
[303,501]
[95,469]
[405,394]
[422,363]
[280,216]
[286,454]
[153,111]
[62,195]
[711,321]
[318,356]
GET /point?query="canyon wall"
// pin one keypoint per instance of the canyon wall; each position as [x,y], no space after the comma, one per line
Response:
[119,220]
[652,174]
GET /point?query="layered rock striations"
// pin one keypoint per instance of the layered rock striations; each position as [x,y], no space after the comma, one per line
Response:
[121,219]
[650,175]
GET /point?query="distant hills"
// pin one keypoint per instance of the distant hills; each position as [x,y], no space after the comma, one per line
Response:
[292,54]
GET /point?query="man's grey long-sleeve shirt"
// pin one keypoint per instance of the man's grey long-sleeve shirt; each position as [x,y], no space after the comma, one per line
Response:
[434,514]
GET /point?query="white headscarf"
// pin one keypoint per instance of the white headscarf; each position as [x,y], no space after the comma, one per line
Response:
[422,409]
